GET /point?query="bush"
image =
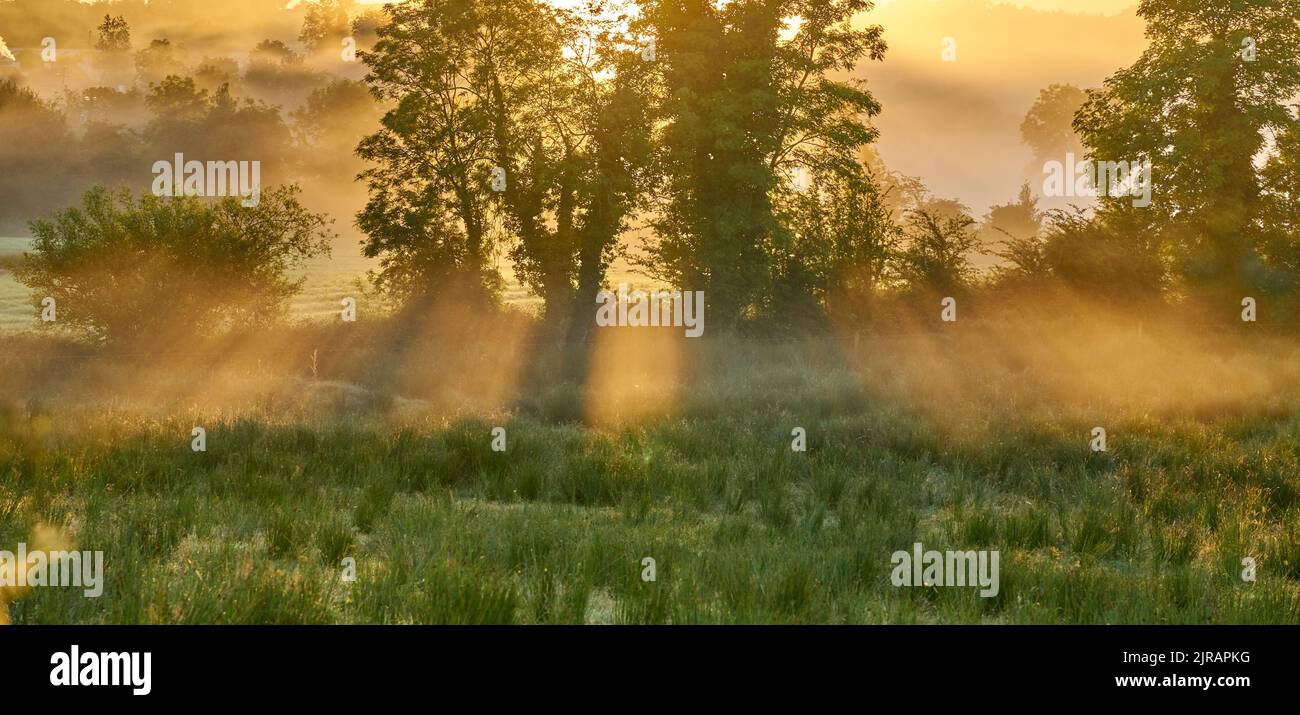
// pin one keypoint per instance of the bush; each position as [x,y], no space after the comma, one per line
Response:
[937,256]
[124,269]
[1109,256]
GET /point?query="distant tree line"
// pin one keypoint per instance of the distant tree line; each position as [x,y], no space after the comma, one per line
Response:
[162,101]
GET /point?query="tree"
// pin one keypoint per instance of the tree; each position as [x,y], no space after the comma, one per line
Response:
[365,27]
[277,74]
[1048,127]
[835,250]
[573,155]
[1012,232]
[212,72]
[1215,79]
[427,217]
[744,109]
[1025,259]
[113,61]
[473,141]
[274,52]
[216,126]
[324,26]
[937,254]
[156,61]
[35,153]
[329,126]
[114,35]
[179,111]
[1280,245]
[127,269]
[1107,256]
[1017,219]
[532,140]
[330,118]
[249,130]
[177,99]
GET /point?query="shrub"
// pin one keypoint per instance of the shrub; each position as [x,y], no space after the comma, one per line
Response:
[123,269]
[1107,256]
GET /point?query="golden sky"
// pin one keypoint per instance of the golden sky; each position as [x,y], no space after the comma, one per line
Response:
[1101,7]
[1106,7]
[956,124]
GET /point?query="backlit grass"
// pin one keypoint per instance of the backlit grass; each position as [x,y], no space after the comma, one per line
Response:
[444,530]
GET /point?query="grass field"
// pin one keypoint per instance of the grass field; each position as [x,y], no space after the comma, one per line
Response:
[977,438]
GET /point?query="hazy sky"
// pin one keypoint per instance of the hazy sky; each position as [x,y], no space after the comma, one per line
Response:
[1090,6]
[956,124]
[1101,7]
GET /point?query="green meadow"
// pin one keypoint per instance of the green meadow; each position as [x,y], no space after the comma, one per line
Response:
[951,439]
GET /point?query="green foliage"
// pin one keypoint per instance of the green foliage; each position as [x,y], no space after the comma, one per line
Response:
[743,111]
[123,268]
[936,257]
[276,73]
[156,61]
[1024,260]
[327,128]
[836,250]
[464,77]
[176,99]
[327,120]
[1013,233]
[574,156]
[273,51]
[365,27]
[1199,105]
[215,126]
[427,218]
[36,143]
[1108,256]
[1017,219]
[1280,176]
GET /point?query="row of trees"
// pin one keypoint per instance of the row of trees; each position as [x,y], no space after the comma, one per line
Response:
[729,145]
[738,137]
[50,157]
[733,135]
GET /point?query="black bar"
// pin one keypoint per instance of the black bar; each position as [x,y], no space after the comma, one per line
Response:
[923,664]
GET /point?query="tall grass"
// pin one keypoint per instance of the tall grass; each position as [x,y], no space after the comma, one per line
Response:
[956,441]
